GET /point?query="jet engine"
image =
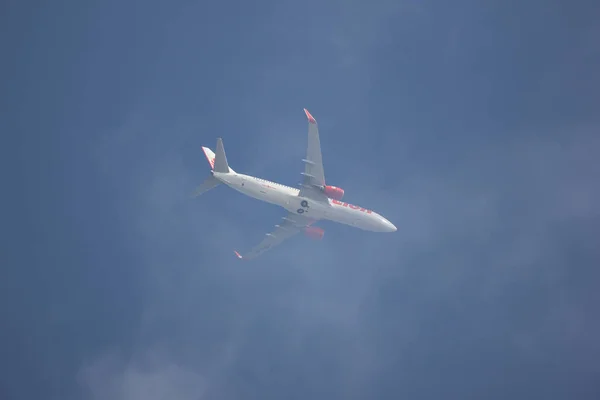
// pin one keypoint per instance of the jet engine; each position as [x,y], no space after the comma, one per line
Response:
[314,233]
[333,192]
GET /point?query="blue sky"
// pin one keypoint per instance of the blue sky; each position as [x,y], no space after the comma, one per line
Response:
[472,126]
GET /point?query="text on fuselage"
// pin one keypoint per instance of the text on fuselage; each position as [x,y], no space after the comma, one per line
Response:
[352,206]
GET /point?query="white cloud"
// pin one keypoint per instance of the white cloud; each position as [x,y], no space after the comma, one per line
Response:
[154,378]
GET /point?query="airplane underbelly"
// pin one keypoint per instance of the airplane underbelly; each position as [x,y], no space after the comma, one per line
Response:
[271,196]
[267,194]
[250,191]
[340,216]
[307,207]
[349,217]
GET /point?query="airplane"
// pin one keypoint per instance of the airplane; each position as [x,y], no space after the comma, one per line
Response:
[314,200]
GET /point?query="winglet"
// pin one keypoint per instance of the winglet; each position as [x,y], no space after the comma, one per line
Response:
[310,117]
[237,254]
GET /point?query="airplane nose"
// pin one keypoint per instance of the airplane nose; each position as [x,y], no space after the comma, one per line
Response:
[388,226]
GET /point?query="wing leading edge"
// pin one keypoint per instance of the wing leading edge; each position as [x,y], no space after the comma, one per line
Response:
[291,225]
[314,174]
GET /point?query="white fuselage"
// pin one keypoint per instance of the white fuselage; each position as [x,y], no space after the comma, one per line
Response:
[288,198]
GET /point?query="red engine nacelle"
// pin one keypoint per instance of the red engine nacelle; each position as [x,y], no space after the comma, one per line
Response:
[314,233]
[333,192]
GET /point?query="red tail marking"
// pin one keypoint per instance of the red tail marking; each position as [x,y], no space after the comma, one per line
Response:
[310,117]
[211,161]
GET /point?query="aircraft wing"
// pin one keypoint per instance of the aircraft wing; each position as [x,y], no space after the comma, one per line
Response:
[290,226]
[314,175]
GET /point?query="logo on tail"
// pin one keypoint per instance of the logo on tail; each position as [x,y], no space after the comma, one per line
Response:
[210,156]
[218,160]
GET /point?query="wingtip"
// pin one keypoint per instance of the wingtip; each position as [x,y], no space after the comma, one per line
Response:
[310,117]
[237,254]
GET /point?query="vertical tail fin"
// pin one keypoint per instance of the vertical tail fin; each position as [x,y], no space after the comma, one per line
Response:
[217,162]
[220,163]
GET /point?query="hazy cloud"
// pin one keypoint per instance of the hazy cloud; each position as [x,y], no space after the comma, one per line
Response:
[490,221]
[154,379]
[471,126]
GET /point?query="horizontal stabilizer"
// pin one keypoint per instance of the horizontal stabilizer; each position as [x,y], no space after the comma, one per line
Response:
[210,183]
